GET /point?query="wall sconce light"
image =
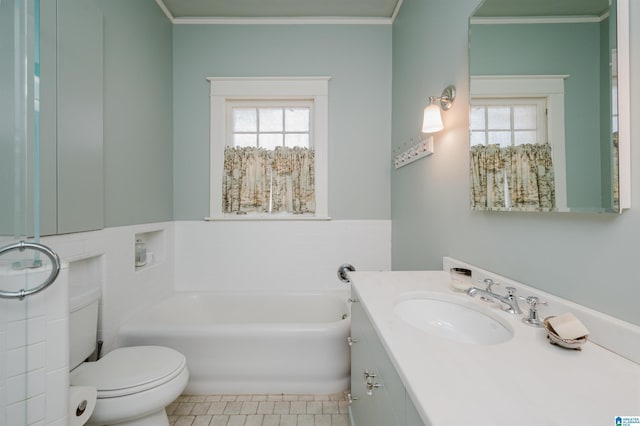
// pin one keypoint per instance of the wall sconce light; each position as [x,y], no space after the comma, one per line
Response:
[432,117]
[431,123]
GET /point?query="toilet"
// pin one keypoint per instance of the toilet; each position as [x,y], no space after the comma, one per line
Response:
[135,383]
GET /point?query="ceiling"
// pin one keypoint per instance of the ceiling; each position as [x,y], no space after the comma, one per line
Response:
[291,9]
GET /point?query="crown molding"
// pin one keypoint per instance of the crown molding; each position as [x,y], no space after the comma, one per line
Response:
[396,11]
[165,10]
[324,20]
[538,20]
[283,21]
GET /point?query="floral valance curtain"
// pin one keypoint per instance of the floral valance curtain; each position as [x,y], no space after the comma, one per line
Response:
[512,178]
[268,181]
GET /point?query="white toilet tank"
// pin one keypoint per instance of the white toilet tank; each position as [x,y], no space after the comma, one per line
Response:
[83,322]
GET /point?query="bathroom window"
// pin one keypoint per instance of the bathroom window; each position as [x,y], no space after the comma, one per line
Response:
[520,113]
[508,121]
[268,148]
[269,124]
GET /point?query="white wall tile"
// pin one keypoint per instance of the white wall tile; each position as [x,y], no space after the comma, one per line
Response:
[36,409]
[111,265]
[302,256]
[30,307]
[16,362]
[27,324]
[36,356]
[29,384]
[25,332]
[16,414]
[57,354]
[3,315]
[279,255]
[59,422]
[3,404]
[3,355]
[57,394]
[56,297]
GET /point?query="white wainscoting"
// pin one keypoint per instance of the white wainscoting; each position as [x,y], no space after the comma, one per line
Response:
[284,255]
[106,258]
[34,377]
[218,256]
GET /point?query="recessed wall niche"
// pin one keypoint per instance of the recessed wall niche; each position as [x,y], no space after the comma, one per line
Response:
[154,243]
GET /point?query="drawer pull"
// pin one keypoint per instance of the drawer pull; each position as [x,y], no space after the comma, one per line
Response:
[371,387]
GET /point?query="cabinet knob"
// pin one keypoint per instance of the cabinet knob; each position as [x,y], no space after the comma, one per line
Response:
[371,387]
[351,340]
[368,376]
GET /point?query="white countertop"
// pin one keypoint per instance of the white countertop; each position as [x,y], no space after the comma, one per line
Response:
[525,381]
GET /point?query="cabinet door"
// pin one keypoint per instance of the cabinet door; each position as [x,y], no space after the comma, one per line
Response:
[390,383]
[362,408]
[373,405]
[80,117]
[387,404]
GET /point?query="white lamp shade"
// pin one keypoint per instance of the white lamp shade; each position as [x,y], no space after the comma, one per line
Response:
[432,119]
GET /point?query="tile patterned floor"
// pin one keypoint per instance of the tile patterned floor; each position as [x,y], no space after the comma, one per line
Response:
[260,410]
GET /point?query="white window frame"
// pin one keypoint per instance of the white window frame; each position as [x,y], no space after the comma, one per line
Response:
[521,86]
[222,89]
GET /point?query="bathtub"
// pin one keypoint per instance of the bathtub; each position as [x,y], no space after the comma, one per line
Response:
[252,342]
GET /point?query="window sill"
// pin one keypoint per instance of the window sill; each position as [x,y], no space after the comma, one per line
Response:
[267,218]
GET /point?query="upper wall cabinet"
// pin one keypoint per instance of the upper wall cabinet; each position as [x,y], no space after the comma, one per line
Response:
[71,166]
[51,119]
[80,117]
[549,106]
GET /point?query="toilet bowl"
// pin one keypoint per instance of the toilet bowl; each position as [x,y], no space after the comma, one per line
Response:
[134,384]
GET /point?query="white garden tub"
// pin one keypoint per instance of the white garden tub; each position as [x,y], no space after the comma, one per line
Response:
[252,342]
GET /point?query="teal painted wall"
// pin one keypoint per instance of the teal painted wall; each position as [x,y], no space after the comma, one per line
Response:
[138,113]
[358,60]
[560,49]
[587,258]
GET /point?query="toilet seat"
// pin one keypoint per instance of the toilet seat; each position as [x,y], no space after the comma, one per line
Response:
[130,370]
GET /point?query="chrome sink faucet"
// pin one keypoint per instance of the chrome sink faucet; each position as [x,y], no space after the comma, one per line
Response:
[510,300]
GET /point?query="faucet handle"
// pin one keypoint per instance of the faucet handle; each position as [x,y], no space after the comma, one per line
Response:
[532,319]
[533,301]
[488,282]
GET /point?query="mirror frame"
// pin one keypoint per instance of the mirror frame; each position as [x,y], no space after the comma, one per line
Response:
[624,105]
[624,102]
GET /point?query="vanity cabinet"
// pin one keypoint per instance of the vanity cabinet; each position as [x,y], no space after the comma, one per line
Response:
[378,395]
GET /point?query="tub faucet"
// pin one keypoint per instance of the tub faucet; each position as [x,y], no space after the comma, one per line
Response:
[510,300]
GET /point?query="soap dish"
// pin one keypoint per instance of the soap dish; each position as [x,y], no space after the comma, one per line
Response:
[554,339]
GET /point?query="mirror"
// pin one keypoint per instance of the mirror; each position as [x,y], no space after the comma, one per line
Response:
[548,123]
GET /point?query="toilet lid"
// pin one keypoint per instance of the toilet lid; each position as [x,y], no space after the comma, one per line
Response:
[130,370]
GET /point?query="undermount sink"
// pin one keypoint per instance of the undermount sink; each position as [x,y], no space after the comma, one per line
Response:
[452,319]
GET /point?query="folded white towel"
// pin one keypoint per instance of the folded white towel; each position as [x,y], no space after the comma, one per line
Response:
[567,326]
